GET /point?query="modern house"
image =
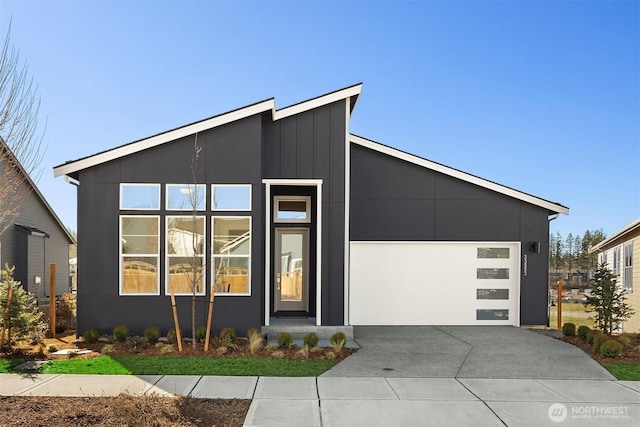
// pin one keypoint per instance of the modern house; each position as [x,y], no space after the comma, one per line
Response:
[297,217]
[35,237]
[620,252]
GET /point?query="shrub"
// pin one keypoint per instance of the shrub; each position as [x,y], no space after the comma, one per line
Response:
[590,335]
[598,339]
[624,339]
[23,318]
[52,348]
[201,333]
[172,337]
[583,331]
[330,355]
[253,331]
[152,334]
[136,343]
[164,348]
[338,336]
[90,336]
[569,329]
[230,334]
[65,312]
[285,340]
[270,347]
[311,340]
[277,354]
[120,333]
[223,341]
[303,352]
[222,350]
[255,343]
[108,349]
[610,348]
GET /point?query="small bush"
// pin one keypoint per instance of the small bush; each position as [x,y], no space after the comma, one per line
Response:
[201,334]
[583,331]
[52,348]
[277,354]
[598,339]
[222,350]
[91,336]
[569,329]
[610,348]
[624,339]
[303,352]
[108,349]
[164,348]
[255,343]
[120,333]
[590,335]
[285,340]
[270,347]
[311,340]
[330,355]
[136,343]
[223,341]
[172,337]
[338,336]
[230,334]
[152,334]
[253,331]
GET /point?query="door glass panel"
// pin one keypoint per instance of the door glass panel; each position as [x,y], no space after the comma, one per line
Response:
[291,271]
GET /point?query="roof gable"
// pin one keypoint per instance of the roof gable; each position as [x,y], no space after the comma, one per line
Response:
[630,231]
[381,148]
[260,107]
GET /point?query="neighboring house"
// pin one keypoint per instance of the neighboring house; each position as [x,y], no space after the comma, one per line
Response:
[621,252]
[302,219]
[35,239]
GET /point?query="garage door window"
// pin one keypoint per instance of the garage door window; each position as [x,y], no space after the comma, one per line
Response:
[494,253]
[492,294]
[492,273]
[492,314]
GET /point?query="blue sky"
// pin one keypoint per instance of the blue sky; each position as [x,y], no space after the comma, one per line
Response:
[543,97]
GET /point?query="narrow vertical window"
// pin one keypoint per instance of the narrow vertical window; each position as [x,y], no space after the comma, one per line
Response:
[185,249]
[139,255]
[231,255]
[628,267]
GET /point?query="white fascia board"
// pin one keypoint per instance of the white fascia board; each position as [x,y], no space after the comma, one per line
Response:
[635,225]
[292,181]
[162,138]
[459,175]
[317,102]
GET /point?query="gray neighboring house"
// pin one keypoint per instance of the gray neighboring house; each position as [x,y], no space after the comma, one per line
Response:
[299,218]
[35,239]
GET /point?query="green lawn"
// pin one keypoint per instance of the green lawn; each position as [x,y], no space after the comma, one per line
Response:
[575,313]
[171,365]
[624,371]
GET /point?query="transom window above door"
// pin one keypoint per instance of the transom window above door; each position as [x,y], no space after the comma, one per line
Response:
[292,209]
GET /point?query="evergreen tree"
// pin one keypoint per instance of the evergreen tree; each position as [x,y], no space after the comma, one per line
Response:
[608,300]
[23,319]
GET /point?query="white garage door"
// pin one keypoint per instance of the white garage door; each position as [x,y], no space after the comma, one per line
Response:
[434,283]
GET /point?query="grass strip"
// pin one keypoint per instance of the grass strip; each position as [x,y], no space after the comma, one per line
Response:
[177,365]
[624,371]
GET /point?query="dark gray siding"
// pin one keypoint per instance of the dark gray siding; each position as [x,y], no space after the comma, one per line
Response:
[230,154]
[32,255]
[311,145]
[392,199]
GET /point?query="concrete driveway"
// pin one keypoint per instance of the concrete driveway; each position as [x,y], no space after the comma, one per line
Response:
[464,352]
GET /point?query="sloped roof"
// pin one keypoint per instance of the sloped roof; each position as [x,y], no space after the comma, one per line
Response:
[446,170]
[35,189]
[630,231]
[69,168]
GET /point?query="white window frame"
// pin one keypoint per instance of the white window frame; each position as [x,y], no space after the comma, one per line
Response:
[305,199]
[167,256]
[188,207]
[125,184]
[121,257]
[213,192]
[249,256]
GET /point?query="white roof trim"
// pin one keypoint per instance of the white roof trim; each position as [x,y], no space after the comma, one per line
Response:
[203,125]
[553,207]
[317,102]
[617,235]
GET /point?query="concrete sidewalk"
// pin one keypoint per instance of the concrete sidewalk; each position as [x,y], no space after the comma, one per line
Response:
[373,401]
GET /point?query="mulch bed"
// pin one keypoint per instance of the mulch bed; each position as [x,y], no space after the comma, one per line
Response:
[630,353]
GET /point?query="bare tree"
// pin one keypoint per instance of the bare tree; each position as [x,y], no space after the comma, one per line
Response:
[21,148]
[195,276]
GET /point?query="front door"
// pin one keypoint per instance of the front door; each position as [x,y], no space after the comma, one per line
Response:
[291,269]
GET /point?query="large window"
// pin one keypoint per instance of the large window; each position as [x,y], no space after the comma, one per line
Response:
[231,255]
[628,266]
[140,196]
[139,255]
[185,249]
[231,197]
[183,197]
